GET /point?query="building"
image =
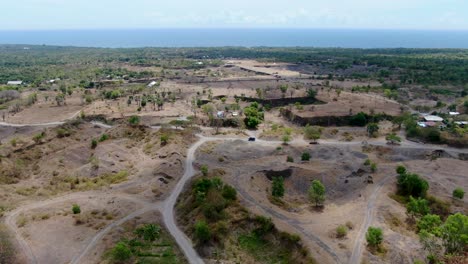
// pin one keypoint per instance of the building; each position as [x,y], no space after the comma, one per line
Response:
[151,84]
[454,113]
[14,82]
[433,118]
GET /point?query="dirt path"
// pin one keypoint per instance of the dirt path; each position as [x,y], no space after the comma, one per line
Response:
[356,254]
[167,207]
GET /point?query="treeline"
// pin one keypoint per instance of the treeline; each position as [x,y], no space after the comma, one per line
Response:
[418,66]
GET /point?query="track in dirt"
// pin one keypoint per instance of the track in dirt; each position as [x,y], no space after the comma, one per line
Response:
[167,207]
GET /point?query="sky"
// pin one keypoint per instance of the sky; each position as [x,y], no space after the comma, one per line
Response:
[143,14]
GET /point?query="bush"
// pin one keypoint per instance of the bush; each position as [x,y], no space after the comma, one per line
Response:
[417,207]
[277,189]
[412,184]
[94,143]
[401,169]
[164,139]
[373,167]
[317,193]
[103,137]
[229,193]
[341,231]
[367,162]
[76,209]
[305,156]
[149,232]
[374,236]
[134,120]
[289,159]
[458,193]
[202,231]
[204,170]
[121,252]
[430,223]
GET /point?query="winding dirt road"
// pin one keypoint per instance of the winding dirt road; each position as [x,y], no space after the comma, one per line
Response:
[167,206]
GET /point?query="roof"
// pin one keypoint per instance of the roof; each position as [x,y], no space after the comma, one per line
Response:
[461,122]
[433,118]
[153,83]
[454,113]
[15,82]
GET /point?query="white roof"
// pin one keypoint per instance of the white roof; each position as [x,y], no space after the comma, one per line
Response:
[433,118]
[153,83]
[421,124]
[15,82]
[454,113]
[461,122]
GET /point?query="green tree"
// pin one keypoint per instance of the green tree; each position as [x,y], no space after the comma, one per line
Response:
[76,209]
[305,156]
[149,232]
[134,120]
[277,189]
[317,193]
[458,193]
[311,93]
[312,132]
[164,139]
[202,231]
[430,223]
[372,129]
[417,207]
[374,236]
[204,170]
[455,233]
[121,252]
[393,138]
[401,169]
[412,184]
[229,193]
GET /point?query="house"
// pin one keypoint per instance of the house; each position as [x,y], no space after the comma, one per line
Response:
[461,123]
[235,113]
[433,118]
[151,84]
[14,82]
[454,113]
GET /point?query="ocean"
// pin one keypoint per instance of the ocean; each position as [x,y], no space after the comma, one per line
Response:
[344,38]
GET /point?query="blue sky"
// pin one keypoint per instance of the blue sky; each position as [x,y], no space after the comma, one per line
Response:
[105,14]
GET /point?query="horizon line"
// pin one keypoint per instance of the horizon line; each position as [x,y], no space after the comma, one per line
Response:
[234,28]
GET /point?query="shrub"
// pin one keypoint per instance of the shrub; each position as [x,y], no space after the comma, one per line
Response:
[458,193]
[149,232]
[417,207]
[367,162]
[430,223]
[202,231]
[121,252]
[317,193]
[103,137]
[229,193]
[455,233]
[401,169]
[134,120]
[289,159]
[94,143]
[277,189]
[412,184]
[341,231]
[374,236]
[305,156]
[164,139]
[373,167]
[204,170]
[76,209]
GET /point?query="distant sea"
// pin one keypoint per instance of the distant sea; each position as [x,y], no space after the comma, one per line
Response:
[345,38]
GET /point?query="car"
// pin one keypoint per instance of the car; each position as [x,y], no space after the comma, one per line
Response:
[251,139]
